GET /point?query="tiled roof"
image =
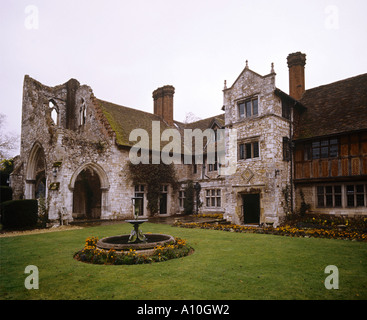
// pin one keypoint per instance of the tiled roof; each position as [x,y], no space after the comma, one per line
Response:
[206,123]
[334,108]
[123,120]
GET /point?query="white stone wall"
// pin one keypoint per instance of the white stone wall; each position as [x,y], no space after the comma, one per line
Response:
[92,145]
[268,174]
[72,149]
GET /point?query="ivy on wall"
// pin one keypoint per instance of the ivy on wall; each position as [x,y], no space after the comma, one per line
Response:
[153,176]
[189,198]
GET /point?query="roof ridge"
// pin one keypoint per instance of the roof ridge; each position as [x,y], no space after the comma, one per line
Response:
[338,81]
[334,108]
[121,106]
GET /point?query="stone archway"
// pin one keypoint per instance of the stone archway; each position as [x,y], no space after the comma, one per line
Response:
[89,185]
[35,186]
[87,195]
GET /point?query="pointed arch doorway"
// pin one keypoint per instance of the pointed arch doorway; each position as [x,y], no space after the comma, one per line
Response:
[35,186]
[89,185]
[87,195]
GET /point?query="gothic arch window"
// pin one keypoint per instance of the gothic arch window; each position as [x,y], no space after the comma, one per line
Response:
[54,112]
[83,113]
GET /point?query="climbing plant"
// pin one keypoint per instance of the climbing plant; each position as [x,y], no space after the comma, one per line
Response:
[287,200]
[189,198]
[153,176]
[304,206]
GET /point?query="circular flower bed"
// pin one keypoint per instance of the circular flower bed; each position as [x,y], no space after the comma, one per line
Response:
[91,254]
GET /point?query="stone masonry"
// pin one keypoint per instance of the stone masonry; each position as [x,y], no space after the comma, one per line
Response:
[268,174]
[75,151]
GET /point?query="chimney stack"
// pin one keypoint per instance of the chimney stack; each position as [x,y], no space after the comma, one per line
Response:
[296,64]
[163,103]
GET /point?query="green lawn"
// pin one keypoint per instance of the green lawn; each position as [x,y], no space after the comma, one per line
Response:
[224,266]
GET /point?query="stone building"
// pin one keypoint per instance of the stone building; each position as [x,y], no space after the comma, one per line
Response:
[263,122]
[75,149]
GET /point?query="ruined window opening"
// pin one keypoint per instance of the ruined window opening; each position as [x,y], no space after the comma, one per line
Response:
[83,113]
[54,112]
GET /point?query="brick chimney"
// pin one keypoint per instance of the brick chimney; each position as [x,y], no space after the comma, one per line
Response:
[296,64]
[163,103]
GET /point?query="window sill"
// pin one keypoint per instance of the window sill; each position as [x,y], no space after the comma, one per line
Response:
[249,159]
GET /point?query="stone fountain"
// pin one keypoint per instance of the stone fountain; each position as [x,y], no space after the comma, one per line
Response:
[143,244]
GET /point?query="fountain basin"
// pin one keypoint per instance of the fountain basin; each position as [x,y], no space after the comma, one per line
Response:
[136,221]
[121,243]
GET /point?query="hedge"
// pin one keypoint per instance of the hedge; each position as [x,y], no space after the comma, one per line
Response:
[4,177]
[19,213]
[6,193]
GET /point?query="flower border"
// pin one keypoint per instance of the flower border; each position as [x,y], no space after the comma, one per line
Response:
[286,230]
[91,254]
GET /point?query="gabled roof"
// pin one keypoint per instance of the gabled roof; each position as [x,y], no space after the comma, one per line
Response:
[247,69]
[334,108]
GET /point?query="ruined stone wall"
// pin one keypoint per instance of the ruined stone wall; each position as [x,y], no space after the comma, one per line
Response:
[65,150]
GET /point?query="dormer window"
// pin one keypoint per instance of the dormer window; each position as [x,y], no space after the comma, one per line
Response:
[248,108]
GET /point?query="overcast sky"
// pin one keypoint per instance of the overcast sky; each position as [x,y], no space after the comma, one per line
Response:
[126,49]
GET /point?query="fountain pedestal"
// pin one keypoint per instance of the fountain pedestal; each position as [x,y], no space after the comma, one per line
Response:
[136,235]
[137,241]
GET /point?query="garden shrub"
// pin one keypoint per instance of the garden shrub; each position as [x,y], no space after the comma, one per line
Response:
[4,177]
[19,213]
[6,193]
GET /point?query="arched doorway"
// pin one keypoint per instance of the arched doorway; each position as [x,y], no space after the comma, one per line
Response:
[87,195]
[36,173]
